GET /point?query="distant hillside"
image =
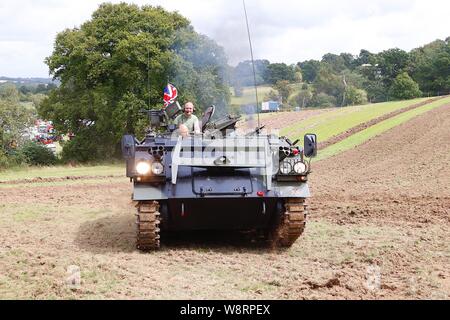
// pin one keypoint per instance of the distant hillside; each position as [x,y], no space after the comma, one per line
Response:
[28,81]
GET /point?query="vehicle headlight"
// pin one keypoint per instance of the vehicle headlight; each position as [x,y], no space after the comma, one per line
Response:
[300,167]
[285,168]
[157,168]
[143,167]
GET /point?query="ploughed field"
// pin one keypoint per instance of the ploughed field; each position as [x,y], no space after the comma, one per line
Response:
[378,228]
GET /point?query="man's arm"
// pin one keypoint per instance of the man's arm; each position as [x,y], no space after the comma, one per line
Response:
[177,120]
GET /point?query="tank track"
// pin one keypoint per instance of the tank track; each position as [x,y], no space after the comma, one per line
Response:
[291,224]
[147,226]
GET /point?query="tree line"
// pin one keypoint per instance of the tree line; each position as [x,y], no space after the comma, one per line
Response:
[344,79]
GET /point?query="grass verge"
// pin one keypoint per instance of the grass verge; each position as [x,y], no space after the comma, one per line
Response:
[332,123]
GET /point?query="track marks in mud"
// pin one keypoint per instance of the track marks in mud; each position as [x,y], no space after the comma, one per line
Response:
[403,183]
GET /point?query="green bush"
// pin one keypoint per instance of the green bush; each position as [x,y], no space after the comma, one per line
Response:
[4,161]
[79,149]
[302,98]
[86,146]
[404,87]
[11,158]
[38,155]
[323,100]
[355,96]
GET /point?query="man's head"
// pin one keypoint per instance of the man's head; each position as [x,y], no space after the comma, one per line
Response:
[188,109]
[183,131]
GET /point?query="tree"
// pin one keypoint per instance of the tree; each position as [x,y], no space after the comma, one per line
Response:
[200,71]
[303,97]
[355,96]
[337,63]
[392,62]
[272,96]
[40,88]
[431,67]
[376,90]
[37,99]
[309,69]
[329,82]
[323,100]
[279,71]
[298,77]
[349,60]
[118,63]
[243,72]
[14,120]
[365,57]
[24,90]
[404,87]
[284,89]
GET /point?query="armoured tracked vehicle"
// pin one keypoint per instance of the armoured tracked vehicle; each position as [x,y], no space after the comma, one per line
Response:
[217,180]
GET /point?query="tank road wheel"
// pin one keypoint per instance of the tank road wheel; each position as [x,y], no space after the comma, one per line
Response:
[291,223]
[147,222]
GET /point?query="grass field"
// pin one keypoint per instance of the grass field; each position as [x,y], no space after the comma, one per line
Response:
[248,96]
[332,123]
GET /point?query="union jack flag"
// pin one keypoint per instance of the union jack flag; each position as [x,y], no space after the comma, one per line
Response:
[170,94]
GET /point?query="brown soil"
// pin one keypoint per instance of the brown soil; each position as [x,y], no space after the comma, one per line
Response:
[378,229]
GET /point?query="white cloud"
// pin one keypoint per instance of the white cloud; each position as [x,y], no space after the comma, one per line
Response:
[288,31]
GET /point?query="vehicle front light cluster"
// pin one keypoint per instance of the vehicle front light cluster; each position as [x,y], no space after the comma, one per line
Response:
[144,167]
[297,168]
[285,167]
[157,168]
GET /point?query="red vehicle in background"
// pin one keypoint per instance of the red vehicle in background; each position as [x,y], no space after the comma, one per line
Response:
[44,133]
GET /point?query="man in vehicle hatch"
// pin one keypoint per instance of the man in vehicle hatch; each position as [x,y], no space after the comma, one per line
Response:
[188,119]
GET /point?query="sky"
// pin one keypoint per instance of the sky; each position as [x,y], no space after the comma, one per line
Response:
[282,31]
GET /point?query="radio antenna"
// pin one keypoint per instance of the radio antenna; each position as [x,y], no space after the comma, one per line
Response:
[253,64]
[148,76]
